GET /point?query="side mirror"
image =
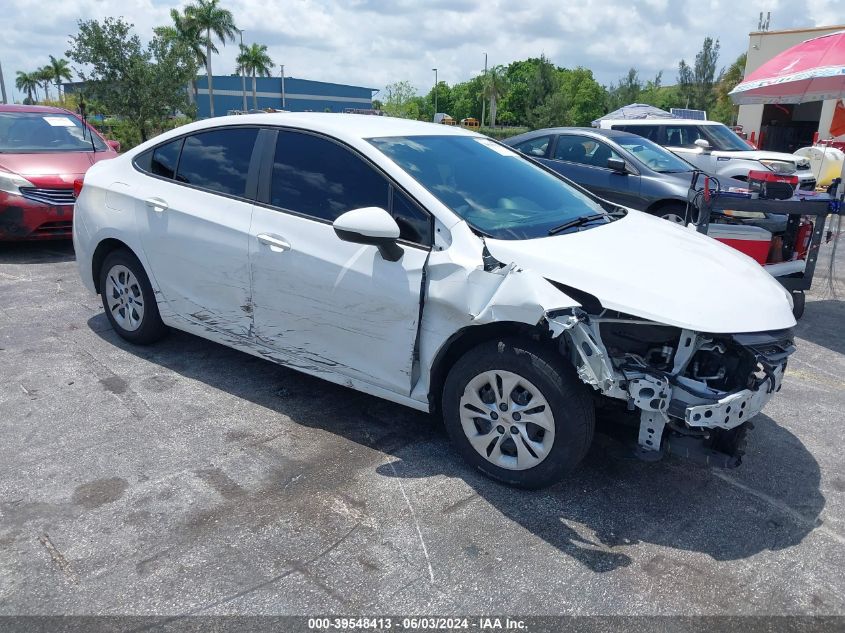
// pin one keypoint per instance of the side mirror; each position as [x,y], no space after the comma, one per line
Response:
[618,165]
[370,225]
[703,144]
[115,145]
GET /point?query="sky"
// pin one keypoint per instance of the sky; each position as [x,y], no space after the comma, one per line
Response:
[375,42]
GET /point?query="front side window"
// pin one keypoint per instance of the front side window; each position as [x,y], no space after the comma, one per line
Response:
[319,178]
[414,223]
[682,135]
[495,189]
[218,160]
[36,132]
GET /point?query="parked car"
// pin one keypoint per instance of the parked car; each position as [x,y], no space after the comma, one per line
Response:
[715,148]
[627,169]
[42,151]
[437,268]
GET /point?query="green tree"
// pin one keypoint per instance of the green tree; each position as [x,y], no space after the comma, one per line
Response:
[28,83]
[60,71]
[184,32]
[725,110]
[208,17]
[144,85]
[45,78]
[495,85]
[696,83]
[399,100]
[626,91]
[254,61]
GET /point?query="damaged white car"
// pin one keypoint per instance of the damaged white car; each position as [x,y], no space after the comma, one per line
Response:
[441,270]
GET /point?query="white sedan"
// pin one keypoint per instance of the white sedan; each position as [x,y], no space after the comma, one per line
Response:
[439,269]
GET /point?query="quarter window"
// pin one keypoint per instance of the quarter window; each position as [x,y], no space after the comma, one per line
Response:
[319,178]
[218,160]
[164,159]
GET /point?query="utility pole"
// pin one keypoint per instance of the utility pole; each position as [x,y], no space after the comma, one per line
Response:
[435,92]
[284,105]
[483,100]
[2,85]
[243,78]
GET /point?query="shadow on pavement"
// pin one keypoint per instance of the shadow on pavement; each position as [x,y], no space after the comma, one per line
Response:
[770,503]
[41,252]
[822,324]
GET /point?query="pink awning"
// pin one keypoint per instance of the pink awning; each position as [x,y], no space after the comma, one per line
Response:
[811,71]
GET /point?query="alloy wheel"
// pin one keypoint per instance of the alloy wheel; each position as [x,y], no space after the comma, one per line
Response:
[124,297]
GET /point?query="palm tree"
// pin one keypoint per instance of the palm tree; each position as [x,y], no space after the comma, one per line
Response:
[59,70]
[493,87]
[45,77]
[186,33]
[28,83]
[255,61]
[207,16]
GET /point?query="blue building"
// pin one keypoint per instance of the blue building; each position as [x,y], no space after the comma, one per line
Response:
[296,95]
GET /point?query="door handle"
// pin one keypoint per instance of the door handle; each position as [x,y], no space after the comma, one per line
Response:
[276,244]
[156,204]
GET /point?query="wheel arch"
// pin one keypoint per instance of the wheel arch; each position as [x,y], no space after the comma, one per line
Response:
[663,203]
[464,340]
[106,246]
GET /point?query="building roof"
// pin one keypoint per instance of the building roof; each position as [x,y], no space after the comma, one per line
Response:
[809,29]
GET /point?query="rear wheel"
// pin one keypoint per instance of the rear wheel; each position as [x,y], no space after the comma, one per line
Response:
[517,412]
[128,299]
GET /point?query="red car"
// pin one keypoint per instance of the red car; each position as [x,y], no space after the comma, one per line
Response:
[42,151]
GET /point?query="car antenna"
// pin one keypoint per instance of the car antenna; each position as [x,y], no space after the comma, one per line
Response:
[85,124]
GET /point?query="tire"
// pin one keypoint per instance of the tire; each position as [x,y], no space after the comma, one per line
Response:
[558,400]
[671,211]
[128,299]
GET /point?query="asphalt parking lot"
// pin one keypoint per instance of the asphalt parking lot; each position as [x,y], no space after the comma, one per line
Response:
[188,478]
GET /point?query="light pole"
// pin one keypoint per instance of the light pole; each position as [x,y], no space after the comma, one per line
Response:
[435,93]
[243,79]
[284,105]
[2,86]
[483,100]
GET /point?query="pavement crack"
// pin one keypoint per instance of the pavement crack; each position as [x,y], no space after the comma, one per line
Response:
[58,558]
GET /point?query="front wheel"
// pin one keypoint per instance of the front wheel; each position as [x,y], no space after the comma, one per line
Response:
[517,412]
[673,212]
[128,299]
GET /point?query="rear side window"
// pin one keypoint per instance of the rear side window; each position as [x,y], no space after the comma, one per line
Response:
[319,178]
[218,160]
[535,147]
[648,131]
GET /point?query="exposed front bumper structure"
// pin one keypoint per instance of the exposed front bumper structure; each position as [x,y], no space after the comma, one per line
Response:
[22,218]
[697,386]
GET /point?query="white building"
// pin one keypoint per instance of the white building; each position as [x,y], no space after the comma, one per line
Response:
[784,127]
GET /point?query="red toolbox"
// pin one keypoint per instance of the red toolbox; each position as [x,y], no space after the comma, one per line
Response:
[751,240]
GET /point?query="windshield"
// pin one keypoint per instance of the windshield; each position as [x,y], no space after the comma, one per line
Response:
[722,138]
[653,155]
[496,190]
[33,132]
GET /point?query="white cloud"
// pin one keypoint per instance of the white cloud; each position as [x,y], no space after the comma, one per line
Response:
[374,42]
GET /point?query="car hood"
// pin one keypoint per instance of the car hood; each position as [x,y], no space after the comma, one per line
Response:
[752,154]
[656,270]
[68,164]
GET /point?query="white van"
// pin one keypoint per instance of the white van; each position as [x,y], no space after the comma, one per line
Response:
[715,148]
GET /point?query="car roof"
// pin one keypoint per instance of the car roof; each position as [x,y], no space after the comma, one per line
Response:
[666,121]
[587,131]
[17,107]
[342,126]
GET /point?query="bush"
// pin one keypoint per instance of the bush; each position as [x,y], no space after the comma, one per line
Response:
[125,132]
[502,132]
